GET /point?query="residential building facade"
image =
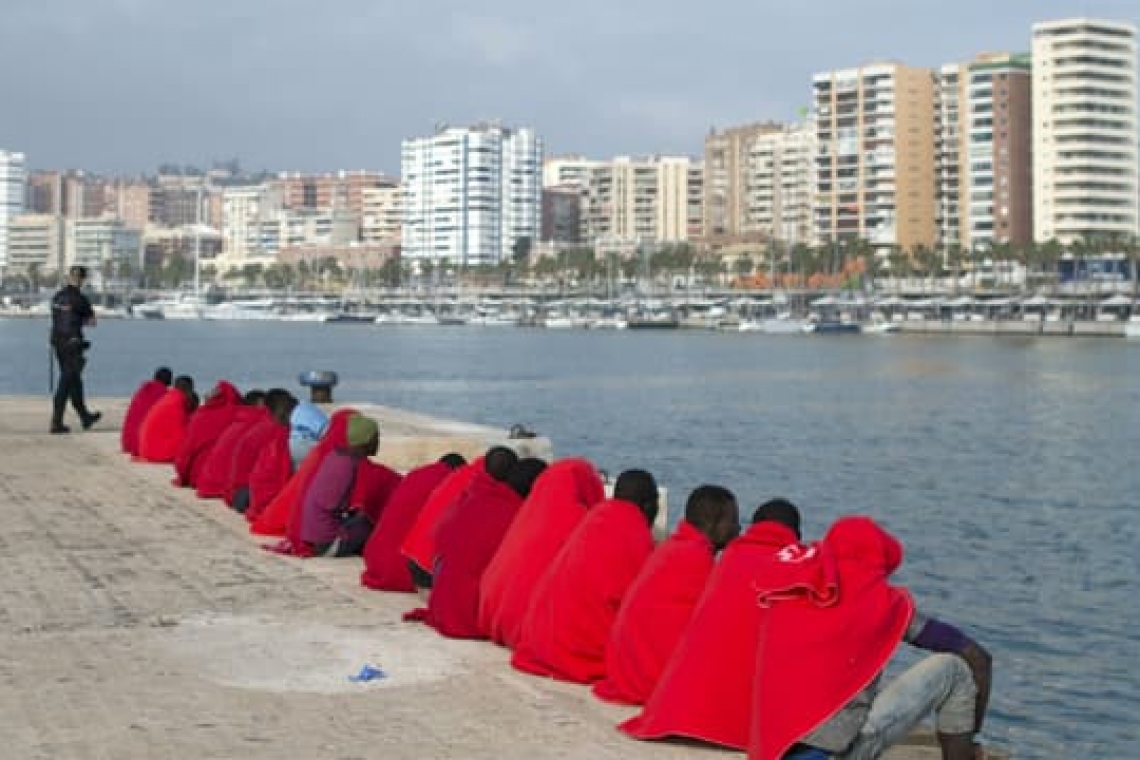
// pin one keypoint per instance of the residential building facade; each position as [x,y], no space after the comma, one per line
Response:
[778,186]
[647,200]
[1085,130]
[382,209]
[94,243]
[35,240]
[471,194]
[13,176]
[727,175]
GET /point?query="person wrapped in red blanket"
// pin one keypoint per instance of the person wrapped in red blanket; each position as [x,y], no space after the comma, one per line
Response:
[660,602]
[205,427]
[215,472]
[385,568]
[164,427]
[147,395]
[705,691]
[272,429]
[466,539]
[418,547]
[576,602]
[830,620]
[559,500]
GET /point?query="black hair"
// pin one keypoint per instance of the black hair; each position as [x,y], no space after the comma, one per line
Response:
[707,505]
[164,376]
[781,511]
[498,462]
[280,402]
[184,383]
[522,476]
[255,397]
[639,487]
[453,460]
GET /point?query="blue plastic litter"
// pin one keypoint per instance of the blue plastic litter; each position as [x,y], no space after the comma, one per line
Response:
[368,673]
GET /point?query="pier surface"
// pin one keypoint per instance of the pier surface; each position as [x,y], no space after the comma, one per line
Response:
[137,621]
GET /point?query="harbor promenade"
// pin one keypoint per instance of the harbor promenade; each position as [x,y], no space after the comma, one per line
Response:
[138,622]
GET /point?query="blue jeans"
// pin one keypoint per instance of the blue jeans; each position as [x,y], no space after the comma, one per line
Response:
[941,683]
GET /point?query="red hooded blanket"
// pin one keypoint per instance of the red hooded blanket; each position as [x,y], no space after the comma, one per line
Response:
[653,616]
[148,394]
[467,537]
[705,692]
[215,471]
[385,568]
[164,428]
[830,621]
[575,604]
[276,518]
[206,425]
[557,502]
[259,436]
[419,544]
[372,487]
[271,471]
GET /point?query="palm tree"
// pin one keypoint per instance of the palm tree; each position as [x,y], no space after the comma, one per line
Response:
[954,256]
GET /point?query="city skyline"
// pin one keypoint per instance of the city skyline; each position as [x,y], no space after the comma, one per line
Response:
[118,87]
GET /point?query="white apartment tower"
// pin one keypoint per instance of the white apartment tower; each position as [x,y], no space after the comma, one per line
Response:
[470,194]
[1085,130]
[13,180]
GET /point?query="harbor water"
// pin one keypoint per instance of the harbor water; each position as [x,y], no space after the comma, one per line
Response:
[1008,467]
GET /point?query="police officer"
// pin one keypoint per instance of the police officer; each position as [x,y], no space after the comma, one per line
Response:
[70,312]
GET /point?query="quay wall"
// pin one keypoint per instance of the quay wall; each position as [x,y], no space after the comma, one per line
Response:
[1013,327]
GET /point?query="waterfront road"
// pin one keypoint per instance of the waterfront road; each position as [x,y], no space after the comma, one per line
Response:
[139,622]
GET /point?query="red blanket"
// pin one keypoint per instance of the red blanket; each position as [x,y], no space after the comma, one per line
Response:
[655,613]
[335,437]
[164,428]
[705,692]
[206,425]
[558,501]
[372,488]
[385,568]
[147,395]
[830,621]
[271,471]
[419,544]
[577,600]
[216,467]
[467,537]
[255,440]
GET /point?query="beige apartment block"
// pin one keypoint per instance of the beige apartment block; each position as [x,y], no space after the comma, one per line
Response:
[36,240]
[726,182]
[778,186]
[1085,130]
[644,200]
[340,190]
[381,220]
[875,168]
[952,167]
[564,171]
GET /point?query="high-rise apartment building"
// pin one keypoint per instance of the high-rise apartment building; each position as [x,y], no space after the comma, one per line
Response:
[778,185]
[382,209]
[647,200]
[251,221]
[94,243]
[471,194]
[875,168]
[727,195]
[566,171]
[13,176]
[35,240]
[1085,130]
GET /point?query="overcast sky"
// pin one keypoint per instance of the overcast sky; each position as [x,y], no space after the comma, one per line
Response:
[120,86]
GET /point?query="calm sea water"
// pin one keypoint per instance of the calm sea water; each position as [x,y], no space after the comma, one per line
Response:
[1007,467]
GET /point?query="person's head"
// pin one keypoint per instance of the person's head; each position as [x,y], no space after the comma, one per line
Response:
[779,511]
[185,383]
[713,511]
[77,276]
[164,376]
[638,487]
[498,462]
[280,403]
[522,476]
[254,398]
[453,460]
[363,435]
[193,401]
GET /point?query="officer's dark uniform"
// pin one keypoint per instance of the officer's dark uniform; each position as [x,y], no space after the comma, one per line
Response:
[70,309]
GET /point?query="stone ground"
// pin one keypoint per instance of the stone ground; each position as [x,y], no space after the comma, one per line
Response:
[137,621]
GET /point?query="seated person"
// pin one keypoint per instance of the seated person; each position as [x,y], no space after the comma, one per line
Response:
[577,600]
[306,426]
[206,425]
[147,395]
[215,472]
[660,602]
[418,547]
[274,466]
[331,524]
[164,427]
[705,691]
[830,622]
[273,426]
[385,568]
[558,501]
[467,537]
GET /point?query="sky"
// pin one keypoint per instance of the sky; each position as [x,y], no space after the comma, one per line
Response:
[121,86]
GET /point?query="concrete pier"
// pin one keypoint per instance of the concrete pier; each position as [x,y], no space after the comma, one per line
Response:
[137,621]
